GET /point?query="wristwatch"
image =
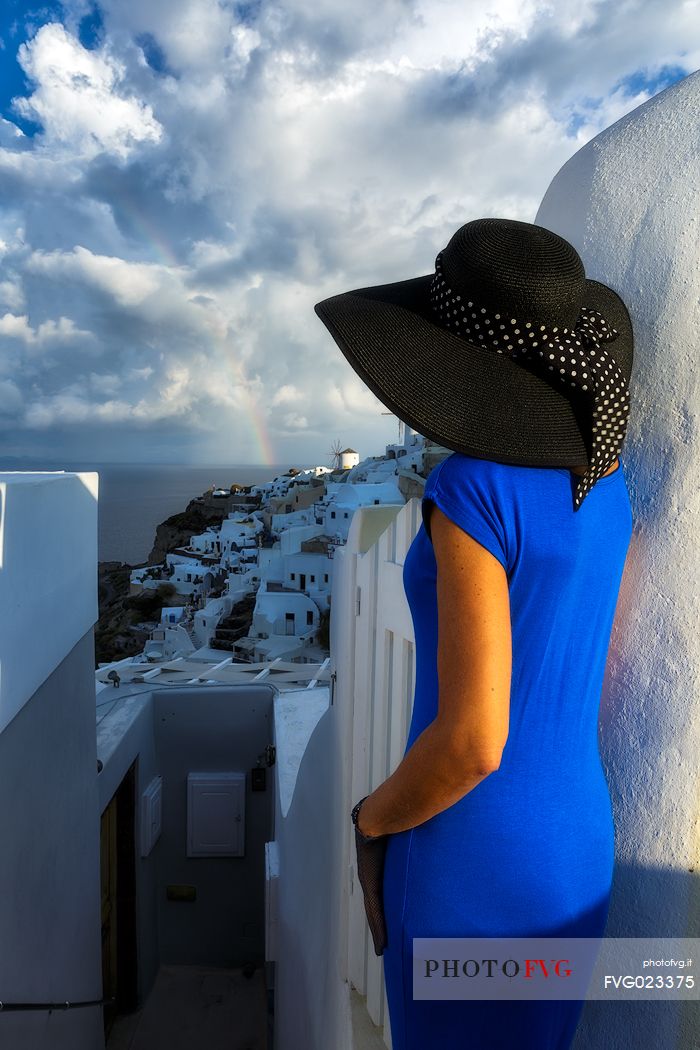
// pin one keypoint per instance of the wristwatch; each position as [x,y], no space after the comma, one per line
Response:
[354,815]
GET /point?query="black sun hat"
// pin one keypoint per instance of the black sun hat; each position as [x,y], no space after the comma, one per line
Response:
[507,351]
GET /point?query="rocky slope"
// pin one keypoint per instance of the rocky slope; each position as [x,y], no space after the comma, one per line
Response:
[115,637]
[177,530]
[120,630]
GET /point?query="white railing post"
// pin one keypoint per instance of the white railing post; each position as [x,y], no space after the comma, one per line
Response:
[384,668]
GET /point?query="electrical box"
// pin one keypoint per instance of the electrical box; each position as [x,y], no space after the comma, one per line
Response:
[151,815]
[215,814]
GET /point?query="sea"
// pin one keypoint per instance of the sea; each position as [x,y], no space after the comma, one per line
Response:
[133,498]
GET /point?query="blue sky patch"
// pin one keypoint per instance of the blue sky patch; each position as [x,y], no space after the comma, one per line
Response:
[19,21]
[652,83]
[154,53]
[91,29]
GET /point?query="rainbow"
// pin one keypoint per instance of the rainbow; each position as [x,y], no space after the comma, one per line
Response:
[163,253]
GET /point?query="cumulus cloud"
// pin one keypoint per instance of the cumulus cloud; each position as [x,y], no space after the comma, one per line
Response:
[47,333]
[10,397]
[10,134]
[128,284]
[78,97]
[12,294]
[202,173]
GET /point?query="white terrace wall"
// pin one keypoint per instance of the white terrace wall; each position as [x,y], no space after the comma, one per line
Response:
[50,816]
[328,755]
[628,201]
[372,651]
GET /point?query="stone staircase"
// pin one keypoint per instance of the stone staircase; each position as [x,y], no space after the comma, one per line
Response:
[234,626]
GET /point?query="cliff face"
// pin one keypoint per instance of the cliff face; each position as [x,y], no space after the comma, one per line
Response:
[178,529]
[119,632]
[122,628]
[115,633]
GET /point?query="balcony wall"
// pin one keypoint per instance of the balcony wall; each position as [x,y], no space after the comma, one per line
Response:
[48,573]
[328,757]
[308,995]
[50,818]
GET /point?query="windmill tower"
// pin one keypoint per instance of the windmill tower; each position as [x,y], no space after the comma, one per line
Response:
[335,454]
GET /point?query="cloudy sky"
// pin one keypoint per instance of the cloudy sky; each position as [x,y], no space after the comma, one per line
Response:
[181,180]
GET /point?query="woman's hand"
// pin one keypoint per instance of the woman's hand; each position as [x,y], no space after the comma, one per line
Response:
[362,818]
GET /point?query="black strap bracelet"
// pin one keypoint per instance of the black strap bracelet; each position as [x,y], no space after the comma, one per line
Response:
[354,815]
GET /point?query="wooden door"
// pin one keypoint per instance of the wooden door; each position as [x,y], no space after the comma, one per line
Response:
[118,895]
[108,875]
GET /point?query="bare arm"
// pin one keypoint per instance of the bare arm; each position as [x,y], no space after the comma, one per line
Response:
[463,744]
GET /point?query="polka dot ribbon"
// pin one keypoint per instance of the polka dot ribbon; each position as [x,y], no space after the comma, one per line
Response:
[574,356]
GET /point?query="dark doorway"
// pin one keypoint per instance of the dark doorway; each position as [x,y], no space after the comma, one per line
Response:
[118,879]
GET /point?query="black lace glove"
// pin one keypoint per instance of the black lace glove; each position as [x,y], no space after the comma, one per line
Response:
[371,851]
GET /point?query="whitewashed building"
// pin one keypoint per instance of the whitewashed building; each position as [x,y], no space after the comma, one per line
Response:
[284,613]
[348,458]
[282,521]
[344,499]
[208,542]
[310,573]
[186,576]
[239,532]
[170,614]
[206,620]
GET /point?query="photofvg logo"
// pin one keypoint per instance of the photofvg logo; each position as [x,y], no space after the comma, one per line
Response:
[527,968]
[502,967]
[555,968]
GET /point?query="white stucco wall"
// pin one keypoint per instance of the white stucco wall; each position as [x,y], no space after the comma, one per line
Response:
[49,820]
[48,576]
[271,607]
[290,540]
[310,564]
[312,1009]
[628,202]
[323,947]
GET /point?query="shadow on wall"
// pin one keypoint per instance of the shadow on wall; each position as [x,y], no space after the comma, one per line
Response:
[628,202]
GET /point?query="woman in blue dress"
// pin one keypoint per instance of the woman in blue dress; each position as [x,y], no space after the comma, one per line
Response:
[498,821]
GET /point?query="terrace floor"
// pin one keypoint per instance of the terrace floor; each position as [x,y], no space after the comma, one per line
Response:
[198,1008]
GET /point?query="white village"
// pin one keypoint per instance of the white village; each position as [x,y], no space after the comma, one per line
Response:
[277,543]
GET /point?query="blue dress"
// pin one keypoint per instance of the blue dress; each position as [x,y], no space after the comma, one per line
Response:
[530,850]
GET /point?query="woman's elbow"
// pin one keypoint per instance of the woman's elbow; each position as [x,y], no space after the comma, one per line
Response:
[467,759]
[483,764]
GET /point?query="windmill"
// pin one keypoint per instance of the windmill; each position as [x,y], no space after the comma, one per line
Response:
[335,455]
[401,427]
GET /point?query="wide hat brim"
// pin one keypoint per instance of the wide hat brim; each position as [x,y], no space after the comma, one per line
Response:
[464,397]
